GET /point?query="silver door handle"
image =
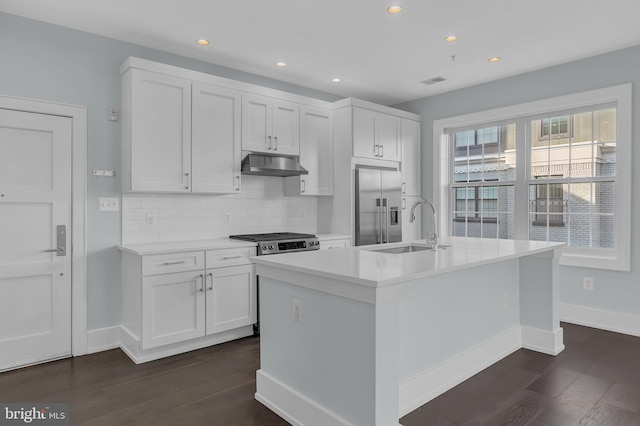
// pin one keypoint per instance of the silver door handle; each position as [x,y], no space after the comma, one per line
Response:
[276,143]
[61,241]
[269,144]
[238,181]
[201,282]
[304,185]
[210,281]
[186,176]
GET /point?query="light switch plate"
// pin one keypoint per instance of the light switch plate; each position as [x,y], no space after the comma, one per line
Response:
[108,204]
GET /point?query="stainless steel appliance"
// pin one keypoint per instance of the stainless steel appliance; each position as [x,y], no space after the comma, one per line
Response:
[274,243]
[378,201]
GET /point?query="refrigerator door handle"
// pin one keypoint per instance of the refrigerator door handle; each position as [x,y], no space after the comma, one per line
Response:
[385,214]
[378,236]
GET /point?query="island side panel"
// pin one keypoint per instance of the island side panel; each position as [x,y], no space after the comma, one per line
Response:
[333,358]
[455,325]
[540,302]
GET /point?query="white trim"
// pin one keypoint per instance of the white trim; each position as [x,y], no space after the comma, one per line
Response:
[78,115]
[425,386]
[103,339]
[600,318]
[618,259]
[130,344]
[547,342]
[291,405]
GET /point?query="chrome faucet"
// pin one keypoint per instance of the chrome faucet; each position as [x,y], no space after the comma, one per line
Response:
[433,238]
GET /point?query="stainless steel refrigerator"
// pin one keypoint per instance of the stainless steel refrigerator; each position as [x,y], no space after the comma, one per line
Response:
[378,200]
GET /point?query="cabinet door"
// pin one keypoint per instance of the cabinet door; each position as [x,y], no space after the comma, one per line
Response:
[215,140]
[334,244]
[316,151]
[411,158]
[231,298]
[160,132]
[173,308]
[411,231]
[286,128]
[256,123]
[364,133]
[388,137]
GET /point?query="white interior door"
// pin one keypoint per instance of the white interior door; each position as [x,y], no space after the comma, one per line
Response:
[35,205]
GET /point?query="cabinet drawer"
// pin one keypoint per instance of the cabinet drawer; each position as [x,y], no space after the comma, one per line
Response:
[333,244]
[173,262]
[229,257]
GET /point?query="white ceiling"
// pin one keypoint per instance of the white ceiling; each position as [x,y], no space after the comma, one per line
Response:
[380,57]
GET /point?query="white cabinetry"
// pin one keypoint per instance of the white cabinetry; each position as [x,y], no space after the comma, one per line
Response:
[410,158]
[173,302]
[411,231]
[156,132]
[159,151]
[334,242]
[316,154]
[270,125]
[376,135]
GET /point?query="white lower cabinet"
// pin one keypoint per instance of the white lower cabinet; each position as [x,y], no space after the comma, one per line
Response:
[176,302]
[230,298]
[334,242]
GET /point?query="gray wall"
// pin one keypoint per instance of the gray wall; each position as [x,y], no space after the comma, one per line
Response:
[614,291]
[52,63]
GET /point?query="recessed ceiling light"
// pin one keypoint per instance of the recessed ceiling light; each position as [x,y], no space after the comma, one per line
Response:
[336,80]
[202,41]
[394,8]
[450,38]
[281,64]
[495,59]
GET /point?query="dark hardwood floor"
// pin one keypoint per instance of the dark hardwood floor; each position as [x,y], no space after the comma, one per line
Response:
[595,381]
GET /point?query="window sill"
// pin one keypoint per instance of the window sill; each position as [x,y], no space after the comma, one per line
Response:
[595,258]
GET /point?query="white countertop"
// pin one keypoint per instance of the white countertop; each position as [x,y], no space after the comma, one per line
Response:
[182,246]
[375,269]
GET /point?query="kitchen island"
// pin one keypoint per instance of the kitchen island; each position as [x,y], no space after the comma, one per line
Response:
[357,336]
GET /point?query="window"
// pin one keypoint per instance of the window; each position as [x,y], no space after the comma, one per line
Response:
[553,170]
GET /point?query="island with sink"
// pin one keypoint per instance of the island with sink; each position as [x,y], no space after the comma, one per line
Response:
[364,335]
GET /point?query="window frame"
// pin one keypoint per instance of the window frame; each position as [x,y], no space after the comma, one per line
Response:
[618,258]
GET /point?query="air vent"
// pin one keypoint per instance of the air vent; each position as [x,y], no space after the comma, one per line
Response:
[434,80]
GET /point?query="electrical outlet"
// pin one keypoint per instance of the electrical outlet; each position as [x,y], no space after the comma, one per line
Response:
[297,310]
[506,301]
[587,283]
[226,218]
[150,219]
[108,204]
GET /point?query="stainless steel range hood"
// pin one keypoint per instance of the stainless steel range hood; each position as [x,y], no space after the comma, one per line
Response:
[272,165]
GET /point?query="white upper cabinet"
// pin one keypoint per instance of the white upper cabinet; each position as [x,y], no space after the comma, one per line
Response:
[159,151]
[316,154]
[216,139]
[156,132]
[376,135]
[270,125]
[411,158]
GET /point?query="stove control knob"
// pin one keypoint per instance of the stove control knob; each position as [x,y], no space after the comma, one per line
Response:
[264,248]
[271,247]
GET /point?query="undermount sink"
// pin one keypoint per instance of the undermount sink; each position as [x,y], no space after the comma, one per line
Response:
[407,249]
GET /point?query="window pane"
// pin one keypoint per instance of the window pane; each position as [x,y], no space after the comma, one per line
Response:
[604,237]
[604,197]
[580,230]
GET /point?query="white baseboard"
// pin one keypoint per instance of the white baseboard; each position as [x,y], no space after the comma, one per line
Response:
[599,318]
[103,339]
[547,342]
[423,387]
[292,406]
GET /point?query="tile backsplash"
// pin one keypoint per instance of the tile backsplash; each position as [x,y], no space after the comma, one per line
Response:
[259,207]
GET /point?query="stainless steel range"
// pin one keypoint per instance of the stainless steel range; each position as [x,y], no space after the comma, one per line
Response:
[276,243]
[281,242]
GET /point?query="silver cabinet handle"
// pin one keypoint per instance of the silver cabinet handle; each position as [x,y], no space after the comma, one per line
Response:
[186,175]
[210,281]
[381,150]
[404,204]
[231,257]
[269,144]
[304,185]
[404,188]
[175,263]
[238,183]
[201,283]
[376,150]
[276,143]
